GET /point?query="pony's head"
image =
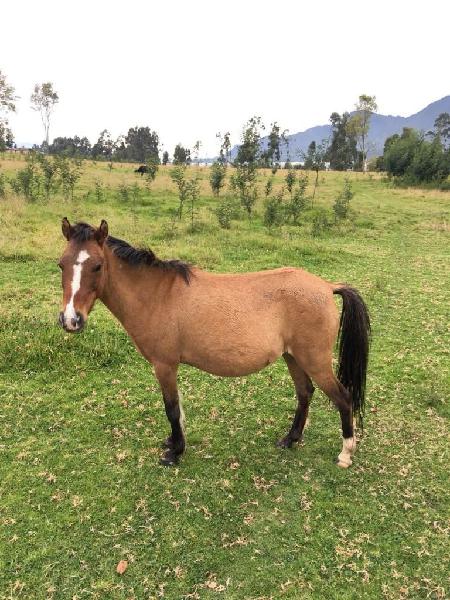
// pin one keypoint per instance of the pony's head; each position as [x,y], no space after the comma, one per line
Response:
[83,273]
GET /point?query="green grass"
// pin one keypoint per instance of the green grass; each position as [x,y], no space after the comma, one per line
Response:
[82,418]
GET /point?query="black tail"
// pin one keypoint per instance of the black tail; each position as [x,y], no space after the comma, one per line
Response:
[354,339]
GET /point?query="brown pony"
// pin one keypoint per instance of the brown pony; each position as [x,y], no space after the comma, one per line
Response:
[225,324]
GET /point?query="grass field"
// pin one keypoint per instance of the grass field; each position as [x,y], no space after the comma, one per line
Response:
[82,418]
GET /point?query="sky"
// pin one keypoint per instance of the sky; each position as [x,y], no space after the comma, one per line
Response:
[189,69]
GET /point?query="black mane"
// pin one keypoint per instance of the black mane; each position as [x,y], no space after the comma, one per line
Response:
[141,256]
[82,232]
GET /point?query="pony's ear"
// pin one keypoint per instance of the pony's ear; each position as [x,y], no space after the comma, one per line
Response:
[102,232]
[66,228]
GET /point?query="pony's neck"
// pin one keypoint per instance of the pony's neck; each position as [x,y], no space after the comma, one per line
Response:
[127,288]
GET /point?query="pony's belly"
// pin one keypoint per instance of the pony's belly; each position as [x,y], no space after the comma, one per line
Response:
[233,363]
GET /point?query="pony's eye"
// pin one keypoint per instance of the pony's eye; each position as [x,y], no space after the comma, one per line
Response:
[61,266]
[97,268]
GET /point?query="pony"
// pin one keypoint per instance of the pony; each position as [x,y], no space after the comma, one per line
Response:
[225,324]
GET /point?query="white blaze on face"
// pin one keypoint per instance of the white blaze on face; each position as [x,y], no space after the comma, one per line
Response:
[69,312]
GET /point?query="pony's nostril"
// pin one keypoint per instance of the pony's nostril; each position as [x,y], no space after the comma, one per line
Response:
[77,321]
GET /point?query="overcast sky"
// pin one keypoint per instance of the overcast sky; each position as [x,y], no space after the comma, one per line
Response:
[191,69]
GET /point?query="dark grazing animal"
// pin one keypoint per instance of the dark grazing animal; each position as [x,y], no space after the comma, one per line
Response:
[142,169]
[225,324]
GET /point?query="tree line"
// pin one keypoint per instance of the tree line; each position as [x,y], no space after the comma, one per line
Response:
[411,157]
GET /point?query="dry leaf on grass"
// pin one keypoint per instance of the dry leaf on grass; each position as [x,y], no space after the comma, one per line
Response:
[122,567]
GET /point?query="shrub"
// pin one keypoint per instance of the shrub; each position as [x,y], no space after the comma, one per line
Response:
[414,160]
[69,172]
[290,180]
[152,170]
[123,192]
[2,185]
[187,189]
[49,168]
[297,202]
[193,193]
[217,177]
[178,177]
[320,224]
[342,203]
[268,187]
[274,213]
[244,183]
[429,163]
[28,180]
[224,212]
[99,191]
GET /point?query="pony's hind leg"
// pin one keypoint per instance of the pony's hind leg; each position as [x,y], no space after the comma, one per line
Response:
[340,397]
[175,443]
[304,390]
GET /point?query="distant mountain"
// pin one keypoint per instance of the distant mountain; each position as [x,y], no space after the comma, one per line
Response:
[381,127]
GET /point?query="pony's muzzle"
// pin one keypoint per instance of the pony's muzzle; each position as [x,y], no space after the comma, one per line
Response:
[72,325]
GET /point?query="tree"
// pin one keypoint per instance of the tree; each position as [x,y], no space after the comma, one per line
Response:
[359,124]
[429,164]
[7,105]
[249,152]
[197,147]
[7,96]
[399,151]
[181,155]
[225,147]
[248,156]
[165,157]
[120,149]
[6,135]
[273,154]
[342,152]
[104,147]
[142,145]
[43,100]
[442,128]
[68,146]
[285,141]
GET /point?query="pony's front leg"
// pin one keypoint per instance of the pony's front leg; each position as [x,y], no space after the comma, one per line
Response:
[167,377]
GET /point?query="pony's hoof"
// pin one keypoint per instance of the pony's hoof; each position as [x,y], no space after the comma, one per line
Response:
[287,442]
[170,459]
[343,464]
[284,443]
